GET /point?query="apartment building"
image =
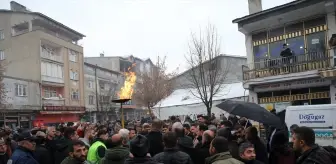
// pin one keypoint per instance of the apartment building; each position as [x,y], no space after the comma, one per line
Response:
[121,64]
[101,87]
[227,63]
[44,71]
[304,77]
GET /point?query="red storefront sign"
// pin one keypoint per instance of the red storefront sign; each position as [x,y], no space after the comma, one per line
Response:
[63,108]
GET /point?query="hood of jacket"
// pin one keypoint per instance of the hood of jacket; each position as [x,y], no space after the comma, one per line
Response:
[185,142]
[117,153]
[218,157]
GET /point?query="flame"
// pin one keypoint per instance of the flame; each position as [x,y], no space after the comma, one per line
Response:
[126,91]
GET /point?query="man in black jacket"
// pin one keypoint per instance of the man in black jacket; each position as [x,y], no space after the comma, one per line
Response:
[155,138]
[171,154]
[304,142]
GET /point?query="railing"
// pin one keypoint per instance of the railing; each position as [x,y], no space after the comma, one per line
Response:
[54,57]
[52,102]
[286,98]
[279,66]
[52,79]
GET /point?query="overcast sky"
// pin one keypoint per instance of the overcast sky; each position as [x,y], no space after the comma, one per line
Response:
[147,28]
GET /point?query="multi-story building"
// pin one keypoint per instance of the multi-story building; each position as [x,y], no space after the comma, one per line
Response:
[101,86]
[115,65]
[305,75]
[227,63]
[44,71]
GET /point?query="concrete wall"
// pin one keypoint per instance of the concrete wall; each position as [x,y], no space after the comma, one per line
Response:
[90,91]
[32,101]
[234,75]
[111,63]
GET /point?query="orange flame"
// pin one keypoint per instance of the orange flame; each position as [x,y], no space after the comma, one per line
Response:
[126,91]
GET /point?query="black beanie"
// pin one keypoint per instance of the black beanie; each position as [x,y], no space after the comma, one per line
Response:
[139,146]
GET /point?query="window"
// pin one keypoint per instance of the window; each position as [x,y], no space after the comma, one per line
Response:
[2,55]
[20,90]
[260,51]
[51,70]
[91,100]
[50,92]
[316,42]
[90,84]
[276,48]
[102,85]
[72,56]
[2,35]
[75,95]
[73,75]
[296,45]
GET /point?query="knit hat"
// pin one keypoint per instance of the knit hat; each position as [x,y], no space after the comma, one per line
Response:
[139,146]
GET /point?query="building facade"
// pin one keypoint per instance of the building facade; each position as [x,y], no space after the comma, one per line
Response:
[44,70]
[101,87]
[227,63]
[305,77]
[115,65]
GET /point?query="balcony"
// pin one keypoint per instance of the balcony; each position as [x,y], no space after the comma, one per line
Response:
[52,79]
[50,56]
[287,65]
[53,101]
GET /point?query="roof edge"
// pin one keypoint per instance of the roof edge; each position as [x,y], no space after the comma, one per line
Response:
[267,11]
[46,17]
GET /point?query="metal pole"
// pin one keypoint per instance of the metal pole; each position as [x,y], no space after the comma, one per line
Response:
[122,116]
[96,85]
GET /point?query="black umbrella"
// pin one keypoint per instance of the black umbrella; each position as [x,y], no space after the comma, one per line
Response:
[251,111]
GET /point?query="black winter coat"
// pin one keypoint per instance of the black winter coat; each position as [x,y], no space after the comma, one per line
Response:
[173,156]
[42,154]
[155,142]
[316,155]
[140,160]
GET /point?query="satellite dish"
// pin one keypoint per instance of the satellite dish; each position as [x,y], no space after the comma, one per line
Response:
[60,96]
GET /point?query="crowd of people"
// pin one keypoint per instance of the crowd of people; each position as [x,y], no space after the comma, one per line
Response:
[203,141]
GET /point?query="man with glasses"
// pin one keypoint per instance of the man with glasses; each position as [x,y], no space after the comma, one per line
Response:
[23,154]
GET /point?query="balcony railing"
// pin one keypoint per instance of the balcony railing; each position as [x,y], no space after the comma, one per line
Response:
[296,97]
[54,57]
[52,79]
[53,102]
[286,65]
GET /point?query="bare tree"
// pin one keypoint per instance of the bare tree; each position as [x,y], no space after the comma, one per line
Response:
[207,73]
[153,85]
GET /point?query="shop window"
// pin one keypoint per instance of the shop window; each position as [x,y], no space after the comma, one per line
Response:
[296,45]
[316,42]
[276,48]
[260,52]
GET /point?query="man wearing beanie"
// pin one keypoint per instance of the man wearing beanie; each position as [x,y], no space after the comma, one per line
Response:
[139,147]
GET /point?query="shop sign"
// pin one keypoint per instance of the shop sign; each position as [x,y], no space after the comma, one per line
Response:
[292,85]
[63,108]
[311,118]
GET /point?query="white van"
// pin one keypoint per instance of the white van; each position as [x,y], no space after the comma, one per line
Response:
[321,118]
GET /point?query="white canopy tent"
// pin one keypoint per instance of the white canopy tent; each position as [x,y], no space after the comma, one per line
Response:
[183,102]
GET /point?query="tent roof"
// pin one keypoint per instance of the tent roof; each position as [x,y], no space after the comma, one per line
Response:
[185,97]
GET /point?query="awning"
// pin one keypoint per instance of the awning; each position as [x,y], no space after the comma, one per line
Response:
[56,118]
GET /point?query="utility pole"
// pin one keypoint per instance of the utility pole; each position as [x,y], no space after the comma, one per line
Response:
[96,85]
